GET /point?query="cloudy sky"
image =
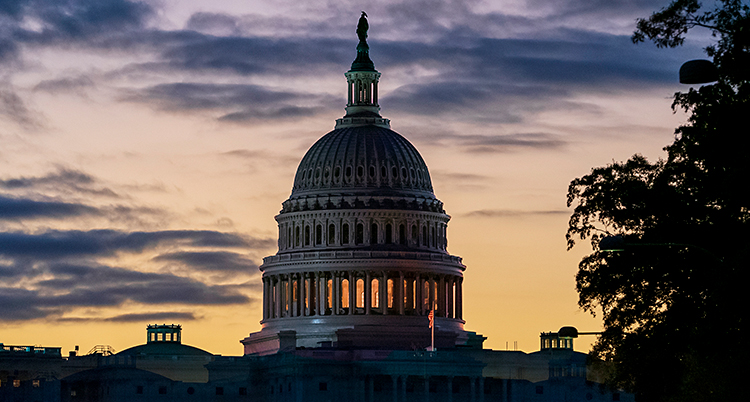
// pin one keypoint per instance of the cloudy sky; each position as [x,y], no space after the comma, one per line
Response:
[145,147]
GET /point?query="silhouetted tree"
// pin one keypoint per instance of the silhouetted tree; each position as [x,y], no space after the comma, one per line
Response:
[672,298]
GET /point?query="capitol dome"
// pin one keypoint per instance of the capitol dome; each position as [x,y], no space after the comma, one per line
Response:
[362,255]
[362,160]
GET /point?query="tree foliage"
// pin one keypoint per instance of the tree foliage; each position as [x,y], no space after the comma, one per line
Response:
[671,300]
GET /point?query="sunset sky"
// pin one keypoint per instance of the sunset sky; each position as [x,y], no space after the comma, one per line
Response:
[145,148]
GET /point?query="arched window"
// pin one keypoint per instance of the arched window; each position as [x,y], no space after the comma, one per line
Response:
[345,233]
[425,240]
[375,292]
[374,233]
[434,238]
[415,235]
[329,294]
[318,234]
[296,236]
[307,235]
[345,293]
[331,234]
[388,233]
[402,234]
[360,235]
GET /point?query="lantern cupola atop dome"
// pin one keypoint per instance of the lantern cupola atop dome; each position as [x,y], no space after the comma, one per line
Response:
[362,95]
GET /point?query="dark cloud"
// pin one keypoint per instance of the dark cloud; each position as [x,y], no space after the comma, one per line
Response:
[106,242]
[64,180]
[249,102]
[487,143]
[103,286]
[190,96]
[20,208]
[13,108]
[78,19]
[255,55]
[76,85]
[221,261]
[153,317]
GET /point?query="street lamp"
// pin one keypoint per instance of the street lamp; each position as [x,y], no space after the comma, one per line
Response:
[572,332]
[698,72]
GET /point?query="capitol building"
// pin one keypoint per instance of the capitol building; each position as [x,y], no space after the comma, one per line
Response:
[362,301]
[362,240]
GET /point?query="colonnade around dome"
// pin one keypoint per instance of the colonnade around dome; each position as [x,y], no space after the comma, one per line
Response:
[362,292]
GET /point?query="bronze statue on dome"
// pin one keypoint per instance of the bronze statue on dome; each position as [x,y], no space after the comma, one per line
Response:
[362,27]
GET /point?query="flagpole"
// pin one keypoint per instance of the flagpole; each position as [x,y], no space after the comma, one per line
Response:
[432,327]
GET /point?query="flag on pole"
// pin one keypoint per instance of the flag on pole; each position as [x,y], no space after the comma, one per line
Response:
[432,318]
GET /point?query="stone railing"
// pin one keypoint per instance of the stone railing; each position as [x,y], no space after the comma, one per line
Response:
[364,254]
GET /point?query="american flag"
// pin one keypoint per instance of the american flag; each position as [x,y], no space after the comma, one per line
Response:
[432,318]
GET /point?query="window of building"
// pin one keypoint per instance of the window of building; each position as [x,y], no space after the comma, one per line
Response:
[360,235]
[219,390]
[331,234]
[318,234]
[360,293]
[16,383]
[375,292]
[388,234]
[190,390]
[162,390]
[540,389]
[345,293]
[374,233]
[345,233]
[35,383]
[323,386]
[139,390]
[307,235]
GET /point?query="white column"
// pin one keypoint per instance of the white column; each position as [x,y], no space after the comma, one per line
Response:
[419,289]
[368,293]
[399,292]
[352,292]
[459,298]
[336,296]
[278,296]
[384,293]
[450,296]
